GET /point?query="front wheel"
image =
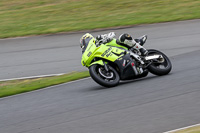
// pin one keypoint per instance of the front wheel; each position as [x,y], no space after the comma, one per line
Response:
[159,66]
[102,77]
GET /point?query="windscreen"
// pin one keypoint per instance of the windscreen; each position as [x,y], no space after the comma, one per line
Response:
[85,42]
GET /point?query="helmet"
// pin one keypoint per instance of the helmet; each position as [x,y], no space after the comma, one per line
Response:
[84,40]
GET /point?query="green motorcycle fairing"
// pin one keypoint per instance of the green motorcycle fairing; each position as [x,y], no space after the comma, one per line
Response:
[105,53]
[108,52]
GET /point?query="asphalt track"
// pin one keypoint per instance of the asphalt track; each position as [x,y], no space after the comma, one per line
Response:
[52,54]
[150,105]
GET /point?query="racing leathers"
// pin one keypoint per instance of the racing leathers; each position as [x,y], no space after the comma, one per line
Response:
[124,40]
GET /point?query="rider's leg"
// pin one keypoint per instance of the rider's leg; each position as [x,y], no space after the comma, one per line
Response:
[142,50]
[130,42]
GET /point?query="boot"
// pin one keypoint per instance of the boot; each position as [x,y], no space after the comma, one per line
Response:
[142,50]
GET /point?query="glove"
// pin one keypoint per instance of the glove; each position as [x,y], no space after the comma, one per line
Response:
[111,35]
[105,38]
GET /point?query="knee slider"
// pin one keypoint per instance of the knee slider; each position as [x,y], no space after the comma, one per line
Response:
[124,37]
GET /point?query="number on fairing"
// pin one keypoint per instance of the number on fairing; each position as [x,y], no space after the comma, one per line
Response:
[89,54]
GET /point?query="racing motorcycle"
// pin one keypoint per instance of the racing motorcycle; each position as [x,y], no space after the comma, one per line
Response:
[109,63]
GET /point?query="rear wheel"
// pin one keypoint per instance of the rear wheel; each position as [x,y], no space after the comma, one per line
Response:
[102,77]
[160,66]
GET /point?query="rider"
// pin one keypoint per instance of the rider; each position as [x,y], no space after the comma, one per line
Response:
[124,40]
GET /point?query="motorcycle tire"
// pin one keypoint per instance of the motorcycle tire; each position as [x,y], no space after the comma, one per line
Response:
[154,67]
[106,79]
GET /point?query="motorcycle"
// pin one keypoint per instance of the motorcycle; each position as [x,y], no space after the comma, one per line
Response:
[109,63]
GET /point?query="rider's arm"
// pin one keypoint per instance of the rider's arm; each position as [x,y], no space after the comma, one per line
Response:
[105,38]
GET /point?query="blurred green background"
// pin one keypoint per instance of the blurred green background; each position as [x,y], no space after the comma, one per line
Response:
[33,17]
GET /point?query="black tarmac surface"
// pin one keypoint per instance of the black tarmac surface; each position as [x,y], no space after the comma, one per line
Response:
[154,104]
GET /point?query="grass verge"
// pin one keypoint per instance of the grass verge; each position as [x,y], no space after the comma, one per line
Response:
[33,17]
[195,129]
[13,87]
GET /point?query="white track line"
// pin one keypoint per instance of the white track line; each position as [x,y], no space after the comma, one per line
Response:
[182,128]
[42,89]
[31,77]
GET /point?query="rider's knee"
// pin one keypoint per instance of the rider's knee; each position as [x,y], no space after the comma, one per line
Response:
[126,39]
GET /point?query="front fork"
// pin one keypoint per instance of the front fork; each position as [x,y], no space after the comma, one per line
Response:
[106,67]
